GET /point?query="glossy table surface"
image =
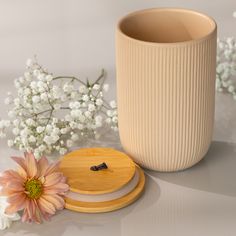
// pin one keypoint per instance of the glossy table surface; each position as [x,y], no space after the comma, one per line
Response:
[197,201]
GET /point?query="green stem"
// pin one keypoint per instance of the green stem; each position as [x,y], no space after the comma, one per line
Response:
[100,77]
[50,116]
[107,104]
[103,112]
[42,112]
[69,77]
[106,107]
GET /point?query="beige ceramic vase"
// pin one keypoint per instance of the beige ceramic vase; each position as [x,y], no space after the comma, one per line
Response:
[166,62]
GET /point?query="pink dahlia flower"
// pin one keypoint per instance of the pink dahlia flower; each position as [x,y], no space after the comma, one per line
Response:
[37,188]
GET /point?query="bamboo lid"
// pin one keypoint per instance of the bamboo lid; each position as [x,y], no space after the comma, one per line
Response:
[81,179]
[104,190]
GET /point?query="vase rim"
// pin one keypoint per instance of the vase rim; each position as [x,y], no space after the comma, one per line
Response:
[208,19]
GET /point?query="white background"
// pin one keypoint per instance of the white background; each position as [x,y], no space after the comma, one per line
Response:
[77,37]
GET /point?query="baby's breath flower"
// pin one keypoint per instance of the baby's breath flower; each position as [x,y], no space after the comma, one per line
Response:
[51,113]
[68,87]
[32,139]
[29,62]
[49,78]
[21,80]
[27,91]
[85,98]
[113,104]
[226,64]
[108,120]
[17,83]
[82,118]
[74,137]
[10,143]
[99,102]
[36,72]
[41,76]
[114,119]
[44,96]
[40,129]
[110,113]
[98,118]
[57,106]
[33,85]
[30,122]
[69,143]
[83,89]
[106,87]
[16,122]
[62,151]
[96,86]
[16,131]
[11,114]
[8,100]
[17,101]
[80,126]
[91,107]
[231,89]
[87,114]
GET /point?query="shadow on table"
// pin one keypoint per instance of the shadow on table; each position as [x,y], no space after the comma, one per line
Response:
[215,173]
[73,223]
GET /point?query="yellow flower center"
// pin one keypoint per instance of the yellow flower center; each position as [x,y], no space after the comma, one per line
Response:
[34,188]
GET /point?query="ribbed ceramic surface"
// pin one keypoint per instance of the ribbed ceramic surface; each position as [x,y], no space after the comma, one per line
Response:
[166,98]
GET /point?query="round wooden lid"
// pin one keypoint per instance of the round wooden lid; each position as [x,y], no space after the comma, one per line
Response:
[112,205]
[76,167]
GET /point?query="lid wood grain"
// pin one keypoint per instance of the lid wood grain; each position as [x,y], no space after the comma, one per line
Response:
[76,167]
[99,207]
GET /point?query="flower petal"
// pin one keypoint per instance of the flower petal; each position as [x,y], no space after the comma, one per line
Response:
[56,200]
[42,166]
[21,162]
[31,209]
[17,206]
[52,168]
[12,175]
[31,164]
[16,186]
[3,181]
[48,191]
[22,173]
[52,179]
[46,216]
[46,206]
[57,188]
[15,198]
[37,213]
[25,216]
[63,179]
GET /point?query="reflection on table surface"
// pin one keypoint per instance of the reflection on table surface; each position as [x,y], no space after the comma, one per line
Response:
[197,201]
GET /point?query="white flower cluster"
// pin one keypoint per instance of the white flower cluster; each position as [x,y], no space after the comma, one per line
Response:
[6,220]
[112,118]
[52,113]
[226,66]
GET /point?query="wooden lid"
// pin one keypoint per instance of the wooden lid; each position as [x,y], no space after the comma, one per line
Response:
[76,167]
[99,207]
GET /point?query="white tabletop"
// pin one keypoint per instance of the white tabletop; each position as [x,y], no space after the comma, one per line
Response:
[197,201]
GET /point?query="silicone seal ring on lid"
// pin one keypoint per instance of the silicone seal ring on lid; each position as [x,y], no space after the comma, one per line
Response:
[108,196]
